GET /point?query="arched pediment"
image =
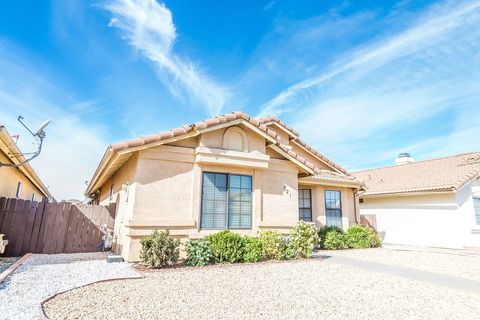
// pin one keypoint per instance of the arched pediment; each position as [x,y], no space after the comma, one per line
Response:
[235,138]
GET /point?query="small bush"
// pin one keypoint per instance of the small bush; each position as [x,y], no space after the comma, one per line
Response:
[159,250]
[253,249]
[335,239]
[323,231]
[289,251]
[198,253]
[304,239]
[359,237]
[226,246]
[273,245]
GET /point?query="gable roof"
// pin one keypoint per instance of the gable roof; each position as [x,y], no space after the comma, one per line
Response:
[447,174]
[10,149]
[118,153]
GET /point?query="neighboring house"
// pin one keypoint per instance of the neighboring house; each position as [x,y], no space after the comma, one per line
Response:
[18,182]
[229,172]
[427,203]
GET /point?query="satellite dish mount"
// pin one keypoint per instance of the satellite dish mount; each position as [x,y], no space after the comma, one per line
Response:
[39,135]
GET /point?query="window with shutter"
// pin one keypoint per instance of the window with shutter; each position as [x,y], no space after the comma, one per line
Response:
[226,201]
[305,204]
[333,208]
[476,205]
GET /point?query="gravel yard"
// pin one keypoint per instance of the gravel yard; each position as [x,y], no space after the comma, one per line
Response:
[301,289]
[41,276]
[450,263]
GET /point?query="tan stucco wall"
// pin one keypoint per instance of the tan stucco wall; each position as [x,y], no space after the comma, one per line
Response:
[318,204]
[125,200]
[9,178]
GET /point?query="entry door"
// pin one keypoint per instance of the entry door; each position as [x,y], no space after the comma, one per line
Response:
[333,208]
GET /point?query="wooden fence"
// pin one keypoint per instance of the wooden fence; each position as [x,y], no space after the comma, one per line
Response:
[46,227]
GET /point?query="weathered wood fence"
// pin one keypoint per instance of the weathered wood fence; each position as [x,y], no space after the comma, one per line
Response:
[46,227]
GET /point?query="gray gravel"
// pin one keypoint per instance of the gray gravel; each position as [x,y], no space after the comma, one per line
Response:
[306,289]
[447,262]
[41,276]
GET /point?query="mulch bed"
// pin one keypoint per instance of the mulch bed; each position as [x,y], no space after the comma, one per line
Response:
[140,267]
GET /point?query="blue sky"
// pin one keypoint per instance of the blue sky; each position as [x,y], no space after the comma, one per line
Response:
[360,80]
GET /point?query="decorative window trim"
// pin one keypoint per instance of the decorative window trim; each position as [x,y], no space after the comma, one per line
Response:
[332,209]
[236,130]
[228,202]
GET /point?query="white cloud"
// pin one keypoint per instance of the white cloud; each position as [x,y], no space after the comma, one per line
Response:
[433,26]
[148,27]
[73,146]
[414,91]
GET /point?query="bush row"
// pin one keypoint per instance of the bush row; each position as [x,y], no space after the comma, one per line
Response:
[356,237]
[159,250]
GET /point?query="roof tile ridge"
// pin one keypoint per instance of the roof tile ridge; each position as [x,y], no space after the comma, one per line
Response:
[419,161]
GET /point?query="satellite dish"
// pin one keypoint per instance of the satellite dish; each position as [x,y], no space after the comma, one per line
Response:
[40,131]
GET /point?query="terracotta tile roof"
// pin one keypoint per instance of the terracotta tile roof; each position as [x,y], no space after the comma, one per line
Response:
[321,156]
[330,176]
[280,122]
[441,174]
[260,124]
[176,132]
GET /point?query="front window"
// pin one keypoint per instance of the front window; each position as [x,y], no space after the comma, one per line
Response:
[333,208]
[476,206]
[226,201]
[305,204]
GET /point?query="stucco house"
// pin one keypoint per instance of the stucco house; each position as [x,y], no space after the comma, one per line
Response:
[228,172]
[425,203]
[18,182]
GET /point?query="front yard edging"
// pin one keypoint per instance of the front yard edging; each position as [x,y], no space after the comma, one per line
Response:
[44,316]
[4,275]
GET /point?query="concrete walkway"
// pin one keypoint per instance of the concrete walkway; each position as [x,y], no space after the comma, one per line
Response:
[457,283]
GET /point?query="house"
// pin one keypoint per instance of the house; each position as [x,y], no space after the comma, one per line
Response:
[18,182]
[229,172]
[425,203]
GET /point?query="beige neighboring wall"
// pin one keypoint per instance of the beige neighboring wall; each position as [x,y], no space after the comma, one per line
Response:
[31,185]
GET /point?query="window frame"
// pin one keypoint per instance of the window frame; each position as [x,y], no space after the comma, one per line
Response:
[340,209]
[476,209]
[227,202]
[310,205]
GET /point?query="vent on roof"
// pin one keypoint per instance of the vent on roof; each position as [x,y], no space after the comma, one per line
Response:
[472,159]
[404,158]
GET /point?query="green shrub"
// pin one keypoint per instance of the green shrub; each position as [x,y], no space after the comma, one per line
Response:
[273,245]
[323,231]
[226,246]
[289,251]
[304,238]
[362,237]
[159,250]
[335,239]
[198,253]
[253,249]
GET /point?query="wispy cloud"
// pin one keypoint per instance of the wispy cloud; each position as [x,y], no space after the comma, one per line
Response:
[148,27]
[432,26]
[415,90]
[73,145]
